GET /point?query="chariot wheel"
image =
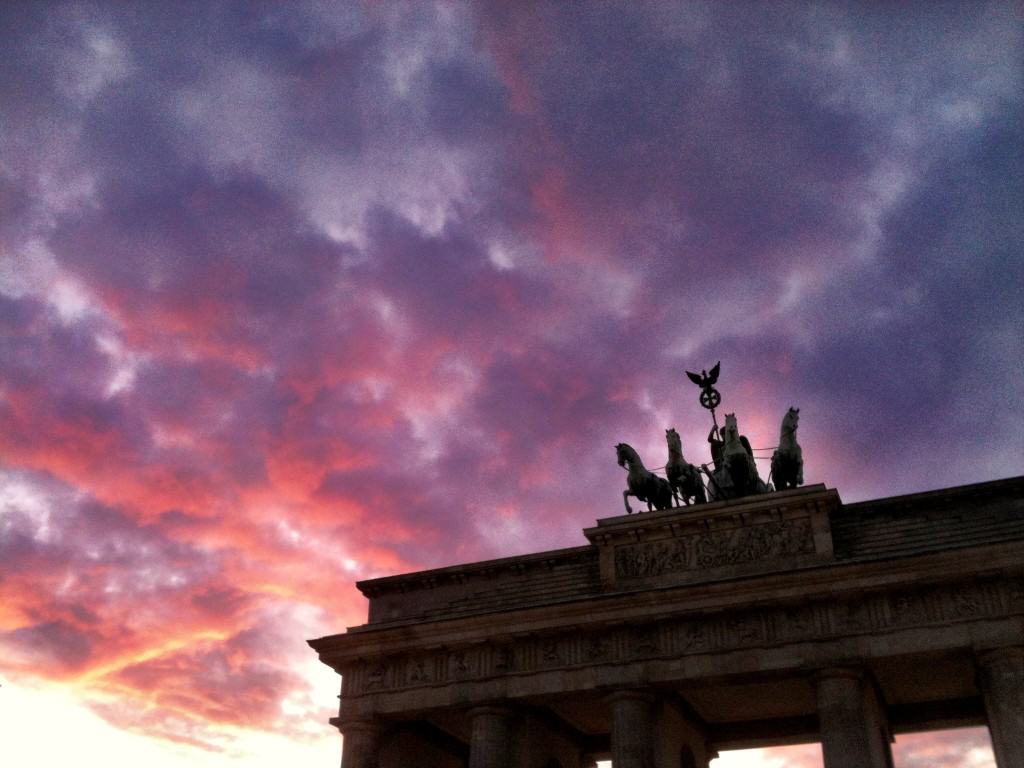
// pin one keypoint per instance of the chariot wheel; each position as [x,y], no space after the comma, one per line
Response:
[710,398]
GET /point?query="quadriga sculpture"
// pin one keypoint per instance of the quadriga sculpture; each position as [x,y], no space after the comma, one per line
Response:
[788,459]
[738,458]
[643,484]
[736,476]
[684,478]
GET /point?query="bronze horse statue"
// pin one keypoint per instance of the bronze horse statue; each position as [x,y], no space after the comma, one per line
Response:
[643,484]
[735,474]
[684,478]
[788,459]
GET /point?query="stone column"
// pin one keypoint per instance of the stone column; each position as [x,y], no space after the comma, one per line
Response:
[1001,679]
[360,743]
[853,729]
[633,731]
[490,739]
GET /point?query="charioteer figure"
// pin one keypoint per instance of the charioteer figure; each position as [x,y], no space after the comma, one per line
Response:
[716,447]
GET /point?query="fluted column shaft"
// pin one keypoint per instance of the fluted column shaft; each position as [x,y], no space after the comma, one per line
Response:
[360,743]
[490,740]
[1001,679]
[633,725]
[852,727]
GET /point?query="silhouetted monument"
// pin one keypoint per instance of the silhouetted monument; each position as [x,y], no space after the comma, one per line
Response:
[772,619]
[758,619]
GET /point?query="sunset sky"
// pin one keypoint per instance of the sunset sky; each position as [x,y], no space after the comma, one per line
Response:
[295,294]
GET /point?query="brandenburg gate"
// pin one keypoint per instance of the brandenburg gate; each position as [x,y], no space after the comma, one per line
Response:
[778,618]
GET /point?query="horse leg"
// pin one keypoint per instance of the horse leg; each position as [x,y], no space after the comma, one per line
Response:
[701,496]
[665,495]
[629,509]
[651,495]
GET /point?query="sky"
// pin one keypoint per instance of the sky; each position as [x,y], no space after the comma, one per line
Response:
[296,294]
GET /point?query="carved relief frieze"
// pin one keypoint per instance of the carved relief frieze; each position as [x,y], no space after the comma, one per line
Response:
[670,638]
[746,628]
[551,655]
[850,617]
[694,636]
[595,648]
[797,622]
[714,549]
[503,659]
[967,602]
[644,641]
[908,607]
[462,665]
[1015,597]
[377,677]
[418,671]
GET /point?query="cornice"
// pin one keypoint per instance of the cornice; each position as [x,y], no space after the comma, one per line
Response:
[837,581]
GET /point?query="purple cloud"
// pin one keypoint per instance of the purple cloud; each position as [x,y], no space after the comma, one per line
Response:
[357,289]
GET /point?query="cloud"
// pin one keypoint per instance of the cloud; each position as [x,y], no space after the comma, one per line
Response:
[967,746]
[352,290]
[55,643]
[225,681]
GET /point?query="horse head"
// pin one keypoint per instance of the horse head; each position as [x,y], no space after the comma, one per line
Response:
[623,453]
[674,442]
[791,420]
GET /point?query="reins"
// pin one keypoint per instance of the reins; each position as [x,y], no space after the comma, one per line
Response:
[756,458]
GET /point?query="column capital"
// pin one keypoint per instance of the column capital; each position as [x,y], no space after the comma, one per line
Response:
[364,725]
[829,673]
[637,694]
[496,709]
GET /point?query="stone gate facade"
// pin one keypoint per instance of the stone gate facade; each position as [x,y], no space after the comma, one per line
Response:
[783,618]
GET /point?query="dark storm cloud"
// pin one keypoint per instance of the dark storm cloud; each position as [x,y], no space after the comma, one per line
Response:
[52,642]
[445,284]
[36,349]
[717,125]
[936,319]
[230,255]
[463,103]
[90,541]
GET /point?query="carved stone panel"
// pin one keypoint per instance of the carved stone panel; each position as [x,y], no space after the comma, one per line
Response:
[717,540]
[714,549]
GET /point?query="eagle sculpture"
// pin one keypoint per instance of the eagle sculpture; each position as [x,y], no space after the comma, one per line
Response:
[705,380]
